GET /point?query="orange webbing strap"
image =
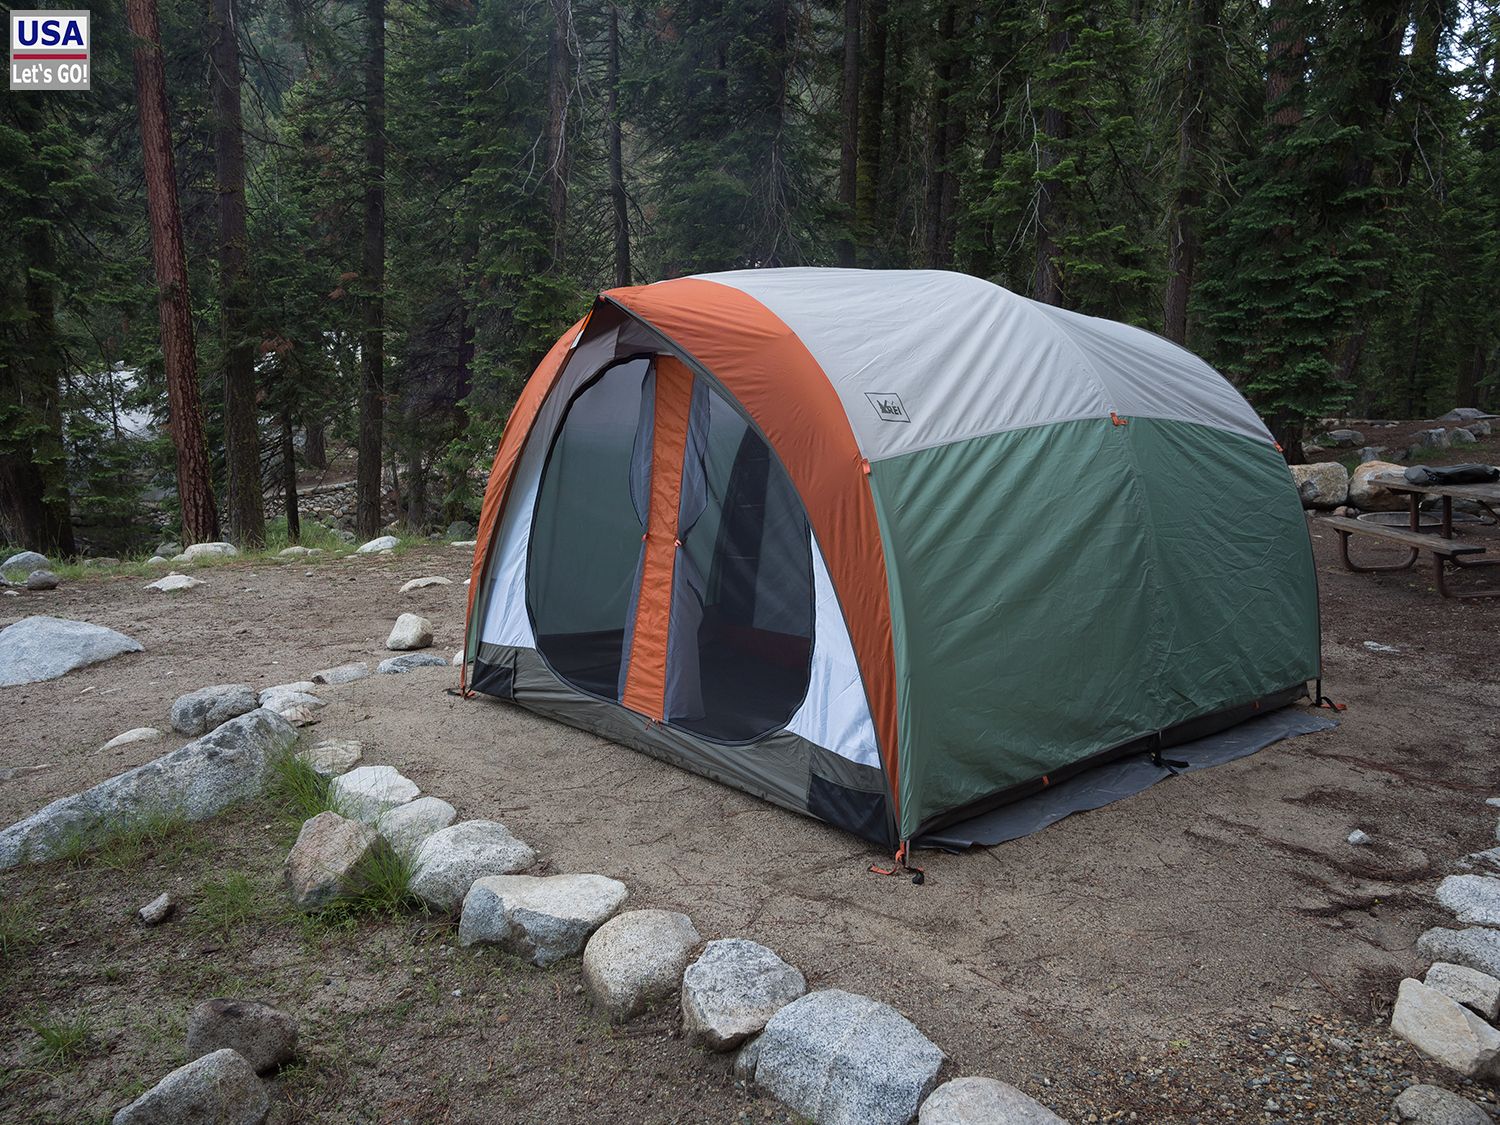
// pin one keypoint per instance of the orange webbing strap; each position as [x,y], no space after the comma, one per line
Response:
[918,876]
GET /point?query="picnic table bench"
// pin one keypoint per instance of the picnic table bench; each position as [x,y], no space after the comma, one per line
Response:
[1444,549]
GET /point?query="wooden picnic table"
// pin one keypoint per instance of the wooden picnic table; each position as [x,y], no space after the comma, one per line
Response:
[1444,550]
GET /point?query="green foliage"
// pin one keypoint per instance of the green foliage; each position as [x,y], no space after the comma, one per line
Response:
[61,1040]
[223,902]
[298,789]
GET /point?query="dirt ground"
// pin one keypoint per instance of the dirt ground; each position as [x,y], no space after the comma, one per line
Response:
[1209,950]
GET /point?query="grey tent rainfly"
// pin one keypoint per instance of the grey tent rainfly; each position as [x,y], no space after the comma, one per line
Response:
[885,548]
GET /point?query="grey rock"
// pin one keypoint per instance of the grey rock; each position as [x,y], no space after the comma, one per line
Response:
[266,694]
[1432,1105]
[383,543]
[210,551]
[169,549]
[172,583]
[299,552]
[732,990]
[1469,987]
[19,565]
[1475,947]
[196,781]
[263,1035]
[367,792]
[158,560]
[136,734]
[1464,414]
[1343,438]
[406,827]
[40,648]
[410,631]
[1444,1030]
[203,710]
[325,861]
[841,1059]
[39,580]
[459,529]
[1480,429]
[1366,494]
[1321,484]
[1373,452]
[424,583]
[158,910]
[284,699]
[452,859]
[343,674]
[1461,437]
[983,1101]
[396,665]
[1473,898]
[636,959]
[464,544]
[217,1089]
[332,756]
[541,918]
[1359,838]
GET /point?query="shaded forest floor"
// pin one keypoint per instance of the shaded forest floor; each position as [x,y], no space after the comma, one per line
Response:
[1211,949]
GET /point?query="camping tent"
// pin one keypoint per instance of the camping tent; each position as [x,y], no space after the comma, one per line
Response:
[886,548]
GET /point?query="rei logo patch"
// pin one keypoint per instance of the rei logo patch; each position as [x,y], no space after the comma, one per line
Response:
[889,407]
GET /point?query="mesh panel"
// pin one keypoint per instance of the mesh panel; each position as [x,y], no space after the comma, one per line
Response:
[587,535]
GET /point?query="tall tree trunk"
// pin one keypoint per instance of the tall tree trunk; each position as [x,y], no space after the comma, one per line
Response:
[1183,236]
[372,345]
[315,445]
[871,120]
[942,97]
[618,201]
[1046,285]
[559,74]
[289,479]
[955,128]
[849,131]
[1285,64]
[34,504]
[200,519]
[247,517]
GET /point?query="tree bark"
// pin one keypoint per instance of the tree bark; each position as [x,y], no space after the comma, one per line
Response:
[247,517]
[871,133]
[942,94]
[372,346]
[1183,236]
[289,479]
[559,71]
[618,201]
[315,446]
[200,520]
[1047,277]
[849,131]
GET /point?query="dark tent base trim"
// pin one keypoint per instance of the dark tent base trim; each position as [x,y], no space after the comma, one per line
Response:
[1123,777]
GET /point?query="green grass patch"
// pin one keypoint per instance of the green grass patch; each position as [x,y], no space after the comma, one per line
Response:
[223,902]
[18,928]
[297,789]
[61,1040]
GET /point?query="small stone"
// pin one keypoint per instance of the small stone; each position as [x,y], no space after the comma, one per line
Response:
[220,1088]
[396,665]
[452,859]
[41,580]
[424,583]
[264,1036]
[406,827]
[364,793]
[1469,987]
[332,756]
[1432,1105]
[732,990]
[207,708]
[540,918]
[157,911]
[283,699]
[174,582]
[137,734]
[158,560]
[299,552]
[324,862]
[636,959]
[383,543]
[983,1101]
[410,631]
[1359,838]
[1444,1029]
[169,549]
[209,551]
[842,1059]
[464,544]
[458,658]
[343,674]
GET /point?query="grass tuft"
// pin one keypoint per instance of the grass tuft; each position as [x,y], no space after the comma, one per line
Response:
[298,789]
[61,1040]
[18,928]
[224,902]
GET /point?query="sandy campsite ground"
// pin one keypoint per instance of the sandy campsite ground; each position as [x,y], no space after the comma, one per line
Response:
[1210,950]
